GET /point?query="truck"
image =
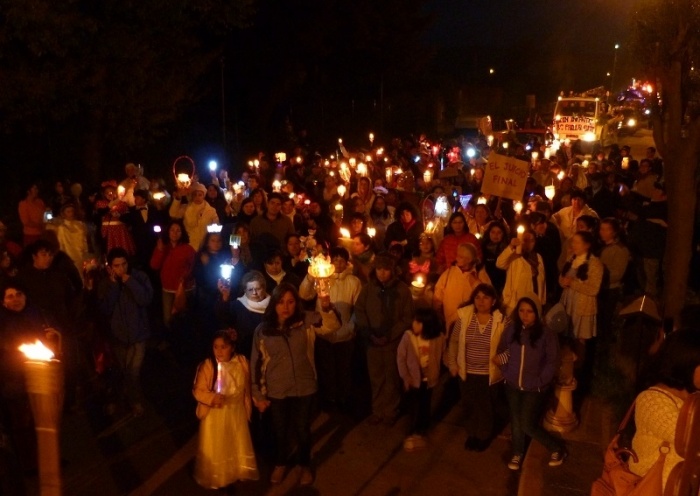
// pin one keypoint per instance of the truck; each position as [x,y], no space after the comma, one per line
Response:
[583,120]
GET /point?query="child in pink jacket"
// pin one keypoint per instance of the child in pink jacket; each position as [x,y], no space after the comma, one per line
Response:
[419,357]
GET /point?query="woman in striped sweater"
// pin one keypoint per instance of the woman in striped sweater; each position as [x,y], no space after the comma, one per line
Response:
[470,354]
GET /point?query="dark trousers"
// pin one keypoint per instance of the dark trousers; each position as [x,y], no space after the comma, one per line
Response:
[419,402]
[525,414]
[385,380]
[333,362]
[483,404]
[292,415]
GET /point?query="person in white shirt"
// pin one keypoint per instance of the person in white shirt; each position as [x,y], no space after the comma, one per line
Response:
[524,271]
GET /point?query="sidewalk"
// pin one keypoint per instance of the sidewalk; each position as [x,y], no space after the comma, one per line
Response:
[586,445]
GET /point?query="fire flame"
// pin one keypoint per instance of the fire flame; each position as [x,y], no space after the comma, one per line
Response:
[36,351]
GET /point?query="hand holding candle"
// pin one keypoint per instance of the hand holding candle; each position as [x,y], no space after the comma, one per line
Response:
[520,231]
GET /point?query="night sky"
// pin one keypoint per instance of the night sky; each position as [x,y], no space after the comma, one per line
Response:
[566,42]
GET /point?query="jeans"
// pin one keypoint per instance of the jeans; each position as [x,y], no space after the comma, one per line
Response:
[525,414]
[130,358]
[419,402]
[292,414]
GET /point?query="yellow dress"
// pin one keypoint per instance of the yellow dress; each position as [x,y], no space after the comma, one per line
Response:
[225,454]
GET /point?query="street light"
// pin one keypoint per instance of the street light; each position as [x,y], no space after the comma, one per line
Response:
[612,77]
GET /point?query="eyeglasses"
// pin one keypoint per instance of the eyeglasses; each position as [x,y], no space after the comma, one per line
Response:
[254,290]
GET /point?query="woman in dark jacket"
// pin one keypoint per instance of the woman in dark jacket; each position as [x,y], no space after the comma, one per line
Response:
[529,355]
[494,241]
[405,230]
[215,197]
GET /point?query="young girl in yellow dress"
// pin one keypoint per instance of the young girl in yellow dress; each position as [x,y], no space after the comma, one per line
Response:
[222,389]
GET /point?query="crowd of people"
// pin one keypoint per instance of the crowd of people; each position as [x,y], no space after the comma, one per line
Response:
[431,277]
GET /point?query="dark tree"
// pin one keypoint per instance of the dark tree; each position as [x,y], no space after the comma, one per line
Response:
[117,72]
[668,41]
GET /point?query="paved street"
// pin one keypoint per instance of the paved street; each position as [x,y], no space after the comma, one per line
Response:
[153,454]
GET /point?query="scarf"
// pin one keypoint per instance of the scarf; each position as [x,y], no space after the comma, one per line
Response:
[531,259]
[278,278]
[255,306]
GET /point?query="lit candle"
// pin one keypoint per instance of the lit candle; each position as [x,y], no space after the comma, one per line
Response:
[159,195]
[371,232]
[561,175]
[228,195]
[418,283]
[353,162]
[535,156]
[625,162]
[520,231]
[481,201]
[547,153]
[428,176]
[584,164]
[389,174]
[219,378]
[505,145]
[477,235]
[472,172]
[518,207]
[276,186]
[183,180]
[121,191]
[344,233]
[321,269]
[371,138]
[549,191]
[430,227]
[362,169]
[489,139]
[341,190]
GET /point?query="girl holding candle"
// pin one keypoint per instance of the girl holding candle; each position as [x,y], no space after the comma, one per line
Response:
[222,390]
[114,232]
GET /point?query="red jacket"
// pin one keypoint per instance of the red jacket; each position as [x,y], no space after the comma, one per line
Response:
[447,251]
[175,264]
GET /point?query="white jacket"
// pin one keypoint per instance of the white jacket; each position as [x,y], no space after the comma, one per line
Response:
[345,288]
[457,347]
[195,218]
[519,278]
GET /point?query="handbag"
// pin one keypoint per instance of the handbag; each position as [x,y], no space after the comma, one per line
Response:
[618,480]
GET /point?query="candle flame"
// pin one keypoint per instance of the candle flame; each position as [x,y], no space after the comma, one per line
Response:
[341,190]
[344,233]
[371,232]
[518,207]
[521,229]
[321,267]
[549,191]
[36,351]
[158,196]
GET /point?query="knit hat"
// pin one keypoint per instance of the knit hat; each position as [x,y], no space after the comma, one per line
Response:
[198,187]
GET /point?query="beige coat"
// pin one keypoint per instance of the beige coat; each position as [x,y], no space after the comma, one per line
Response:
[454,288]
[519,278]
